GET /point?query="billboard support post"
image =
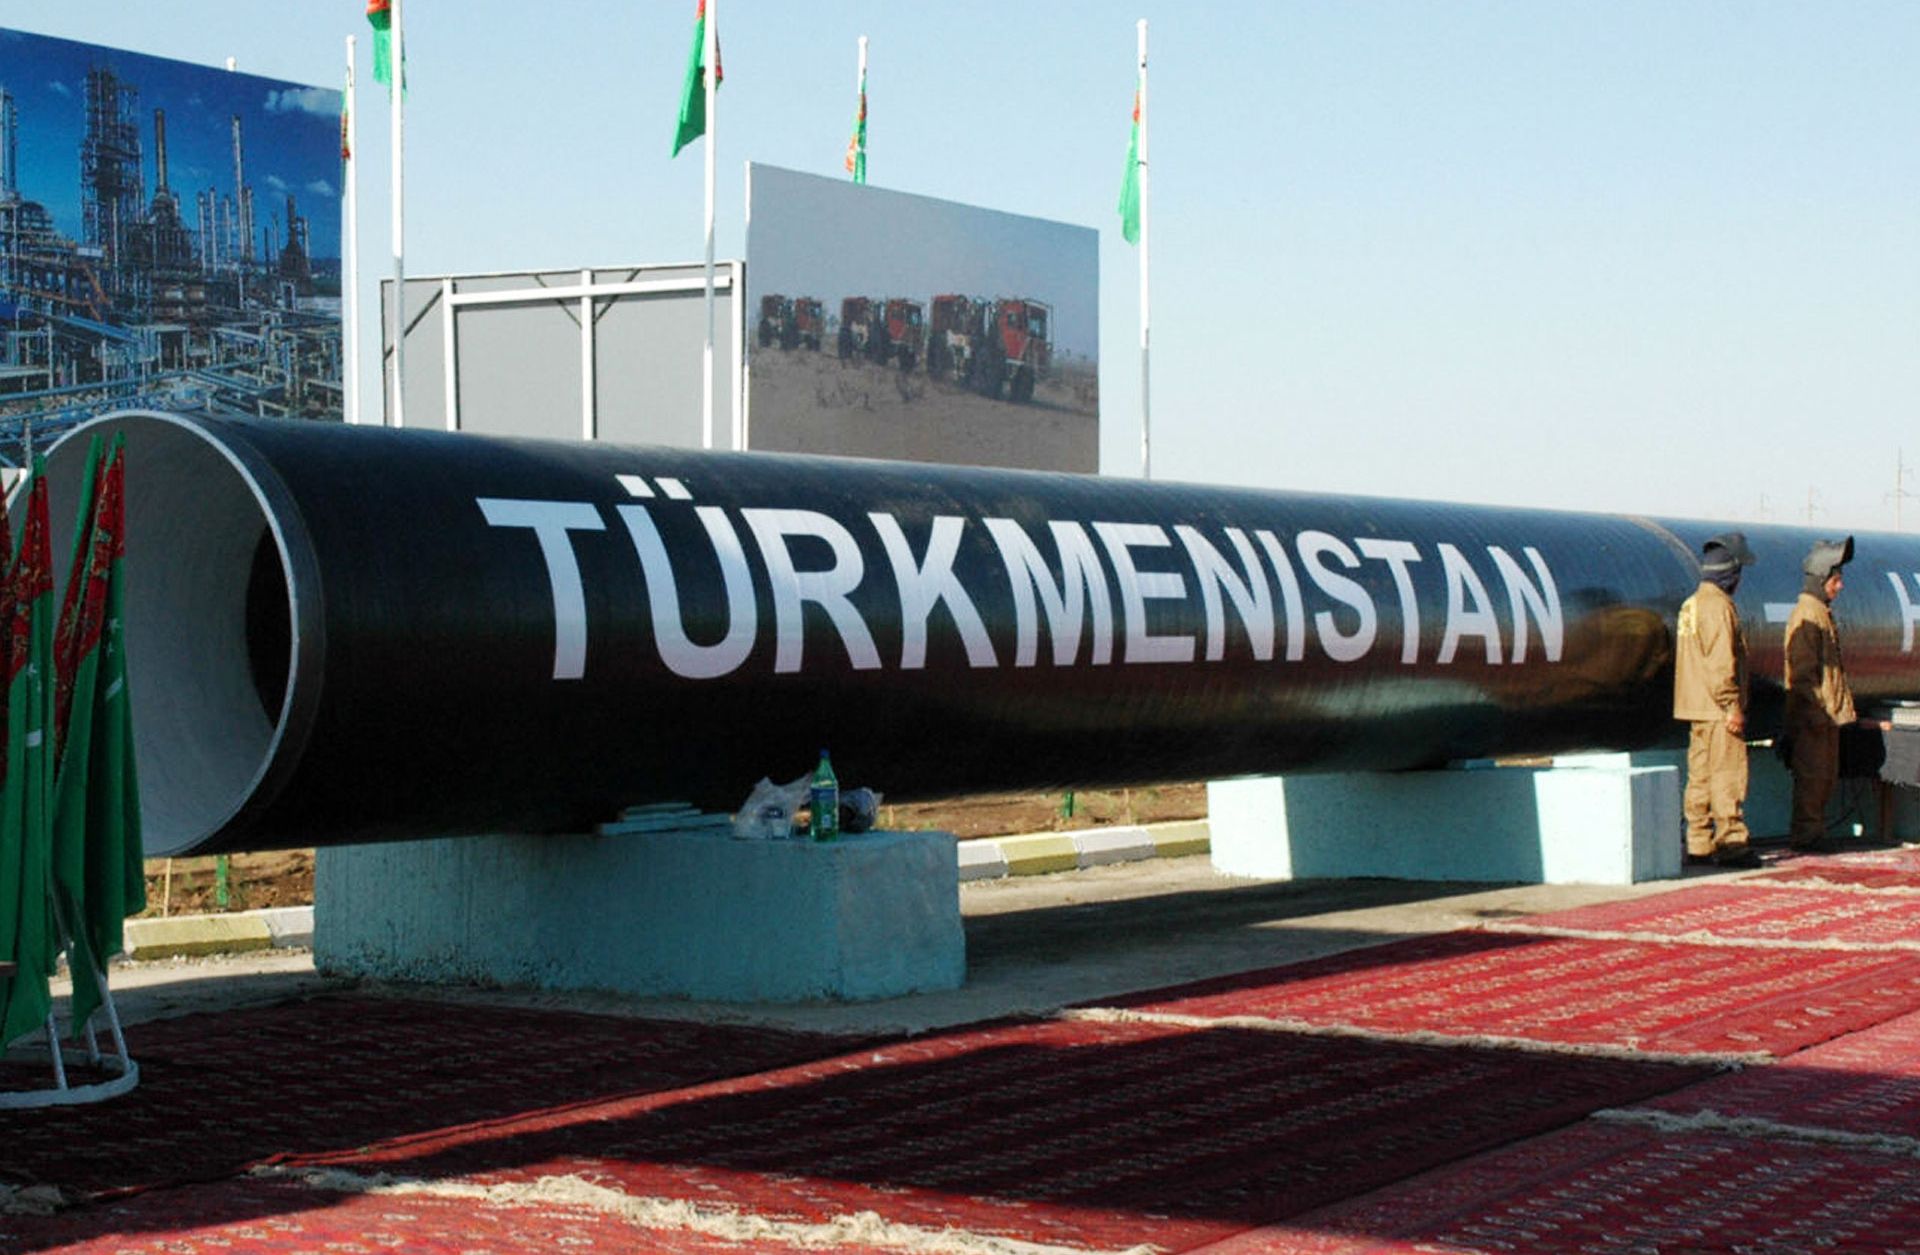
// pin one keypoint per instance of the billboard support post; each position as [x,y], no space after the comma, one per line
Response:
[396,94]
[710,59]
[350,251]
[1146,174]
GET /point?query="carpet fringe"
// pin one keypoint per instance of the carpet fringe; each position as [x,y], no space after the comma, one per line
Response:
[863,1228]
[1823,885]
[1726,1060]
[1710,1121]
[1701,937]
[32,1200]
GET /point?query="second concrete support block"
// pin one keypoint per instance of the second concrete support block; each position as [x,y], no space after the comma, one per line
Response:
[1567,825]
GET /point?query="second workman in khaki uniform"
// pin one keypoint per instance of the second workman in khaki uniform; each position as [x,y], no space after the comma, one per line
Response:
[1710,693]
[1819,700]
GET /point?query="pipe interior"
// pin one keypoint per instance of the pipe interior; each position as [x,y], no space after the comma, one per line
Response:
[209,623]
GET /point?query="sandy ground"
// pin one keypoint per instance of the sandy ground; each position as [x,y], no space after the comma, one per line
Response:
[807,402]
[1034,944]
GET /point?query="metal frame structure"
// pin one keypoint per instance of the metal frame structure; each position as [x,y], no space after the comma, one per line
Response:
[449,300]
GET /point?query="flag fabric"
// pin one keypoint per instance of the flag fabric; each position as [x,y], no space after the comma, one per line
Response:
[346,149]
[380,17]
[693,93]
[1130,185]
[116,856]
[28,932]
[69,845]
[90,797]
[67,625]
[857,146]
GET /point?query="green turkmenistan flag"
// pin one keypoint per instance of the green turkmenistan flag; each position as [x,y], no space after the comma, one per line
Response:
[1130,185]
[67,625]
[28,935]
[380,17]
[693,94]
[116,857]
[72,715]
[857,146]
[96,801]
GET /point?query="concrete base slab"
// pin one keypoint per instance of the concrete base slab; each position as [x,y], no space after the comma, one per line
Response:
[1588,824]
[664,914]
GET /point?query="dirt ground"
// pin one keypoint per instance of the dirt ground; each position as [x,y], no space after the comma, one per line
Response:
[190,886]
[807,402]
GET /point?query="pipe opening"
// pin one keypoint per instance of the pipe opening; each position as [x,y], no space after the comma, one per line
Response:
[209,621]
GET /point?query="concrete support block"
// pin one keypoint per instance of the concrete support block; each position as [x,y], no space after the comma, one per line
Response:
[1854,810]
[1574,825]
[665,914]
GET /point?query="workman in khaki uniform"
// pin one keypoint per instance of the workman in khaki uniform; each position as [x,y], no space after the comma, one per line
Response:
[1819,703]
[1710,693]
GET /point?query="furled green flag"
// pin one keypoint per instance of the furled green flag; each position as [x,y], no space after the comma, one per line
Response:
[1130,185]
[67,625]
[693,94]
[857,146]
[380,17]
[27,932]
[116,858]
[83,614]
[72,687]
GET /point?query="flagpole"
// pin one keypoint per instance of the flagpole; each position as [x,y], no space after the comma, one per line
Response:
[350,248]
[1146,408]
[396,87]
[710,58]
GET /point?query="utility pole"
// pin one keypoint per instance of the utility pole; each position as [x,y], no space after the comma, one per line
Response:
[1900,493]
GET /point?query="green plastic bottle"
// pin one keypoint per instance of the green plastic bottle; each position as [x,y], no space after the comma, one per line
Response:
[824,794]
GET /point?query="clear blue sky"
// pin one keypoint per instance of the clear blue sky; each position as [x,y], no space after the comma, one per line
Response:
[1622,255]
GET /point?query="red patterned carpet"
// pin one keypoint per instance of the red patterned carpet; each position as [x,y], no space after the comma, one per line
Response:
[1897,870]
[1866,1083]
[286,1218]
[1643,996]
[1072,1133]
[1609,1189]
[1486,1090]
[1753,909]
[220,1092]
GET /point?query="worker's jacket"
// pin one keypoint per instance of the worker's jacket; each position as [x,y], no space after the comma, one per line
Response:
[1710,658]
[1817,692]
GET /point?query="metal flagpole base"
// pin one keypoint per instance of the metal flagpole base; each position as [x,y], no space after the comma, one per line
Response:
[64,1095]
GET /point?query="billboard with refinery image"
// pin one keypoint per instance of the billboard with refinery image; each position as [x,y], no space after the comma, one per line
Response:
[169,238]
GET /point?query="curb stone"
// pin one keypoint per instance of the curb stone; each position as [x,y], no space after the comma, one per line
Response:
[231,933]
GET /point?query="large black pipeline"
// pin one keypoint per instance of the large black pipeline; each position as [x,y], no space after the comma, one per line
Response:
[341,634]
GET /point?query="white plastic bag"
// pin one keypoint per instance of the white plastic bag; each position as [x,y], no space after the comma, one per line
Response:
[769,810]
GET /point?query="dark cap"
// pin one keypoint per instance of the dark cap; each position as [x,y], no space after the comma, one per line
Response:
[1725,552]
[1828,556]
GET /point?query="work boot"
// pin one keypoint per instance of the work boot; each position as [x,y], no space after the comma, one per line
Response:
[1737,856]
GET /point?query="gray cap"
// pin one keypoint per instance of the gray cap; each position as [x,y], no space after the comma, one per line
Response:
[1828,556]
[1725,552]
